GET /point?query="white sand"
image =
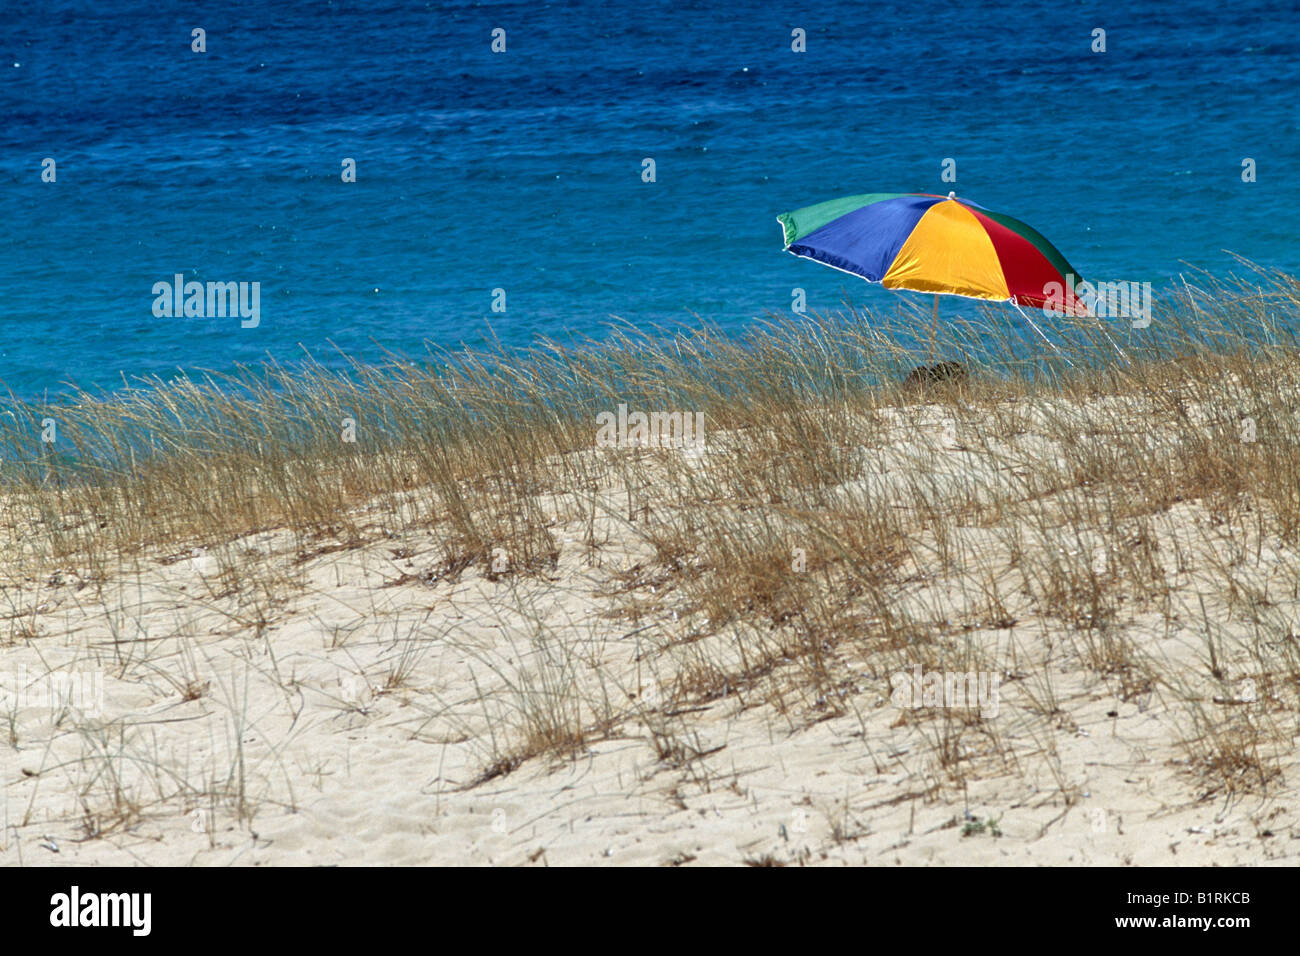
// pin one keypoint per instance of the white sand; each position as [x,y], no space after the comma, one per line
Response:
[297,718]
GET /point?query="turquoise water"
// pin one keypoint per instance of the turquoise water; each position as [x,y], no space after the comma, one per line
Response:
[522,170]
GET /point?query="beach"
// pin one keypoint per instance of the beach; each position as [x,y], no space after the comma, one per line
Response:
[989,622]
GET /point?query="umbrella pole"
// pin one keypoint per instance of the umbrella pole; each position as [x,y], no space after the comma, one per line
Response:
[934,328]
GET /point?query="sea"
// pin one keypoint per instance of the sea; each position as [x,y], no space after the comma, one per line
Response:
[400,177]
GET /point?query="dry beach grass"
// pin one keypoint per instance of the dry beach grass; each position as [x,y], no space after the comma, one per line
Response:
[472,635]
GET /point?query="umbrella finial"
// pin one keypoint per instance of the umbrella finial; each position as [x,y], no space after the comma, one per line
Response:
[952,195]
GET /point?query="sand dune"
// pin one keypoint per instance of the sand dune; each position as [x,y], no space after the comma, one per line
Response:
[369,703]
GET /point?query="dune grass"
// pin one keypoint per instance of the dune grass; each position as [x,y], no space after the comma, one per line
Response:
[1061,507]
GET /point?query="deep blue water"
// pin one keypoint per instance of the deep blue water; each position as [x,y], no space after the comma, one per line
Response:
[522,170]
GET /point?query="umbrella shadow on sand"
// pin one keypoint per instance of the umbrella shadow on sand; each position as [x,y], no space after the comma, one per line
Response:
[926,377]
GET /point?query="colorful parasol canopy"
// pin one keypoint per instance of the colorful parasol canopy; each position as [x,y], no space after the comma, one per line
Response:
[938,244]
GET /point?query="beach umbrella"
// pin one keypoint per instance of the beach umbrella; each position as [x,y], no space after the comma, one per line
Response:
[937,244]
